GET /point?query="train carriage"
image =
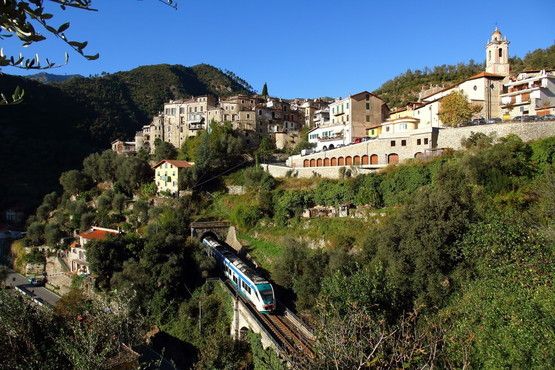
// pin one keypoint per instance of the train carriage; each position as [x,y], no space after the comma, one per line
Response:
[246,281]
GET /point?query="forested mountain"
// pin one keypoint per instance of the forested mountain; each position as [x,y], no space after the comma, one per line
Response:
[50,78]
[57,125]
[404,88]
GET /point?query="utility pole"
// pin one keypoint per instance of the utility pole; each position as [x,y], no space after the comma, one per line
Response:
[200,315]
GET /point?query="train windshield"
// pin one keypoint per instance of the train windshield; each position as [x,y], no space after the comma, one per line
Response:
[266,293]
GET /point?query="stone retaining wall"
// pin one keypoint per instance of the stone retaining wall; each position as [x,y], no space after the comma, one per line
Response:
[308,172]
[527,131]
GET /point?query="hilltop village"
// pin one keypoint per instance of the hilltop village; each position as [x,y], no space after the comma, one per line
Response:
[360,130]
[253,232]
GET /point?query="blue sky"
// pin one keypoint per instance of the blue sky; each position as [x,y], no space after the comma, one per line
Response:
[301,48]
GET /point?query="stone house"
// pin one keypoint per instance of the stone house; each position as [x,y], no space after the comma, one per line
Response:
[123,147]
[350,118]
[529,93]
[77,255]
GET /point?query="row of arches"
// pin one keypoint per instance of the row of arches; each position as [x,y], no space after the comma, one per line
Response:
[356,160]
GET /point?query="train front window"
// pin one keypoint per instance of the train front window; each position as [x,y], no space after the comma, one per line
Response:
[266,293]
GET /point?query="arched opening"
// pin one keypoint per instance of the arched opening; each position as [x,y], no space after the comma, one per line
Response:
[356,160]
[312,163]
[418,155]
[326,162]
[306,163]
[205,234]
[325,148]
[331,147]
[243,332]
[348,161]
[364,159]
[334,161]
[393,158]
[341,161]
[319,162]
[374,159]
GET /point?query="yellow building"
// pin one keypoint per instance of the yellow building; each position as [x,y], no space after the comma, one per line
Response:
[374,131]
[167,174]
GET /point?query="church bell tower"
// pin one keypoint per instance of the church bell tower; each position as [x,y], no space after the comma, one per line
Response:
[497,54]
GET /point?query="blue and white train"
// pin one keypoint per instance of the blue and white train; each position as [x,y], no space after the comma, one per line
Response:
[246,281]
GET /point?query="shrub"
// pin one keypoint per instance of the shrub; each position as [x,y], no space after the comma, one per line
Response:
[246,215]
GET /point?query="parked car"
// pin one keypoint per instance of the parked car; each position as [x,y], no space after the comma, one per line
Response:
[306,151]
[36,281]
[549,117]
[528,118]
[494,120]
[479,121]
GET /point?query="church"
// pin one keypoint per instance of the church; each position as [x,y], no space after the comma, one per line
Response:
[483,89]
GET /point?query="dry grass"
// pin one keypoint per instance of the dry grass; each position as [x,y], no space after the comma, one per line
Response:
[294,183]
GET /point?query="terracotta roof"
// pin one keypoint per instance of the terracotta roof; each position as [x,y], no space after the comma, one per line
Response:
[175,162]
[484,74]
[97,234]
[478,75]
[363,94]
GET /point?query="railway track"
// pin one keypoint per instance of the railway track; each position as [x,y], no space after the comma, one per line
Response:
[292,333]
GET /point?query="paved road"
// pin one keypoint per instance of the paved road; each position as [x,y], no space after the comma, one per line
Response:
[39,293]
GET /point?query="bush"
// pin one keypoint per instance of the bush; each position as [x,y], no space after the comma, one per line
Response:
[368,191]
[290,204]
[398,185]
[543,153]
[246,215]
[255,178]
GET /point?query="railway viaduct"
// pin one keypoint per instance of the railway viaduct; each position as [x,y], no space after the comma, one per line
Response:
[244,320]
[243,317]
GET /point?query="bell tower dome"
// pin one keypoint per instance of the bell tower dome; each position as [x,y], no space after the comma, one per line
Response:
[497,54]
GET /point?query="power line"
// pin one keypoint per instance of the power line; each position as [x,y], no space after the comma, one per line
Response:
[220,174]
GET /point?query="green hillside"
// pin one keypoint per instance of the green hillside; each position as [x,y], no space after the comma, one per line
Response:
[58,124]
[404,88]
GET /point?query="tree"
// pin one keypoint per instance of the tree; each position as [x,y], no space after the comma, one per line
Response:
[455,110]
[52,234]
[3,275]
[132,172]
[86,220]
[74,182]
[35,233]
[360,339]
[265,149]
[106,257]
[265,89]
[164,150]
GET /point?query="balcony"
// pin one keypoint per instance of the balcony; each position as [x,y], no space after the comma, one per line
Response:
[331,138]
[196,126]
